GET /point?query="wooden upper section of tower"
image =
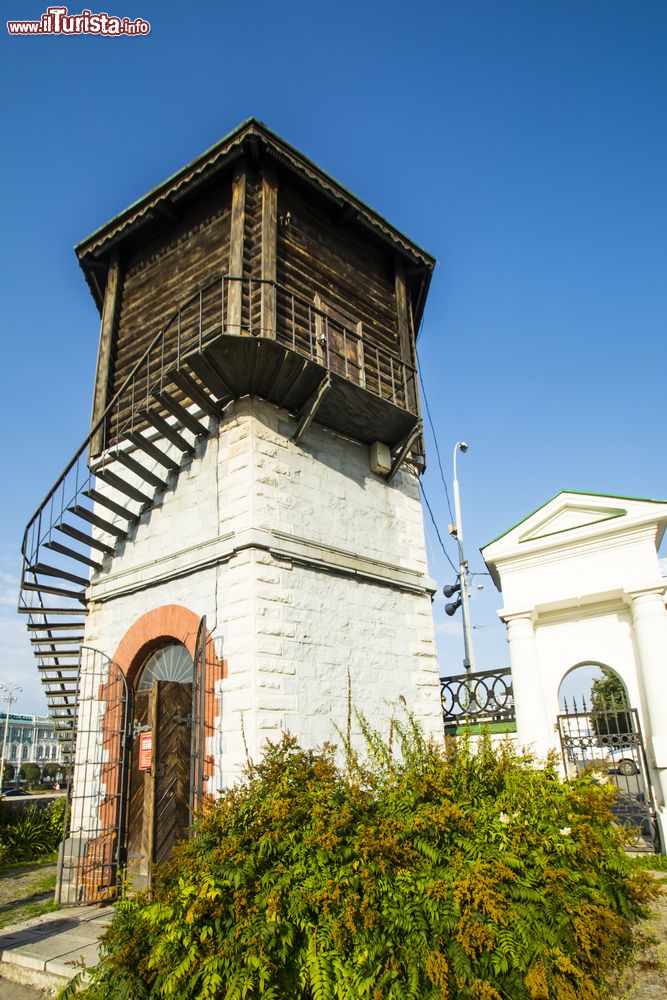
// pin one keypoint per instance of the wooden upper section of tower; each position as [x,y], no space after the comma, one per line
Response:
[253,243]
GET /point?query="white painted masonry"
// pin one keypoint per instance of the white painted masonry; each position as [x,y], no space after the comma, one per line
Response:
[306,564]
[581,583]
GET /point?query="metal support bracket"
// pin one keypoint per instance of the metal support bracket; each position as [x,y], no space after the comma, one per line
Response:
[404,448]
[307,412]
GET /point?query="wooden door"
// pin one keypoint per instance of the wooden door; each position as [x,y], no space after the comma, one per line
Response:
[172,766]
[339,343]
[140,795]
[159,798]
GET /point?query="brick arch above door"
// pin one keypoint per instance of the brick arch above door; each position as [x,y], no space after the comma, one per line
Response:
[168,623]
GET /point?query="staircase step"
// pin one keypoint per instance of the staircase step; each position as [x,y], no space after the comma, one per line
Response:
[111,479]
[138,469]
[40,588]
[105,501]
[23,609]
[182,414]
[97,521]
[196,392]
[44,570]
[55,627]
[169,432]
[57,640]
[50,654]
[71,532]
[208,372]
[73,554]
[166,461]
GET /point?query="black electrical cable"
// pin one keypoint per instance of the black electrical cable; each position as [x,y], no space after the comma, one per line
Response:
[442,544]
[435,441]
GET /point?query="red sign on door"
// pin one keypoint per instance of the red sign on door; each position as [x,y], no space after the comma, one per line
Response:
[145,751]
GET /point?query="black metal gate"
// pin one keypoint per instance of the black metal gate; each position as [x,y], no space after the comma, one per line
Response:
[91,853]
[207,675]
[605,740]
[198,721]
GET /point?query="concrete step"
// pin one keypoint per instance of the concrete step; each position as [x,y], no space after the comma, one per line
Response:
[48,951]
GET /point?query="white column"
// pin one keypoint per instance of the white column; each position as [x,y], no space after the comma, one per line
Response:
[533,727]
[650,626]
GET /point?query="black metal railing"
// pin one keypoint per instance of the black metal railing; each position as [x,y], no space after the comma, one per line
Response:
[478,699]
[292,321]
[55,570]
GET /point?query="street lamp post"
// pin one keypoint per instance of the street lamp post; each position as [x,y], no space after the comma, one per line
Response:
[7,695]
[469,656]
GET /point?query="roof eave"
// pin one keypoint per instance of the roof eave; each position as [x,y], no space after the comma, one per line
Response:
[219,156]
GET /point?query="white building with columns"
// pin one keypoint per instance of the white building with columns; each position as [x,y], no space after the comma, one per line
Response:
[581,584]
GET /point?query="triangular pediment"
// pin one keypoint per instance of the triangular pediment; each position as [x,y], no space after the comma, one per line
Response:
[570,517]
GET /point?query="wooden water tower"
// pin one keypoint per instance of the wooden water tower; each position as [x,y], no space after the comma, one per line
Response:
[238,543]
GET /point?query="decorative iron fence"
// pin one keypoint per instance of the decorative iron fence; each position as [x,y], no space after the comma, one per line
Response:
[479,699]
[91,853]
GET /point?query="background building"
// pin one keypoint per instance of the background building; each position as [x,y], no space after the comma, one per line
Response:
[31,739]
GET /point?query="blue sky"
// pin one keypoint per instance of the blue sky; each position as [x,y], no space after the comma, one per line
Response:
[522,143]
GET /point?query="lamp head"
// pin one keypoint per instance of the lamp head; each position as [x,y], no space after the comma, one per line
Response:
[463,446]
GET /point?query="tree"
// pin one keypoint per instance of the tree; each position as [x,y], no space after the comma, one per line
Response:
[50,771]
[30,773]
[420,871]
[609,708]
[9,772]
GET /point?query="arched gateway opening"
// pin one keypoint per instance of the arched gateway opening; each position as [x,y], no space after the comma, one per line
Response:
[145,727]
[600,736]
[160,769]
[169,660]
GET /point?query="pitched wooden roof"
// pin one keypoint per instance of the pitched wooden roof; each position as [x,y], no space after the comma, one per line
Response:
[253,138]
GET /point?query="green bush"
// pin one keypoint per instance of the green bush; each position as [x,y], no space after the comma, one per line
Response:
[420,871]
[30,832]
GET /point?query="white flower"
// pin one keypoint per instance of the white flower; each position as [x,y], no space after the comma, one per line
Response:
[504,818]
[565,831]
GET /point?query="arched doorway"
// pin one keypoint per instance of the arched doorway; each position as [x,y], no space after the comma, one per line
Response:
[601,738]
[159,794]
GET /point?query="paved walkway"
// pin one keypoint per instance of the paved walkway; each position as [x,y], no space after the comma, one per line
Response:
[50,950]
[15,991]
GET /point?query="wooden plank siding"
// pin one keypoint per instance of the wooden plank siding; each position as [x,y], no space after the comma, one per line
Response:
[336,286]
[353,277]
[252,250]
[105,351]
[346,276]
[158,279]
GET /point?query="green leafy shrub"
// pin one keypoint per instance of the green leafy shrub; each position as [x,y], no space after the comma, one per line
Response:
[419,871]
[30,832]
